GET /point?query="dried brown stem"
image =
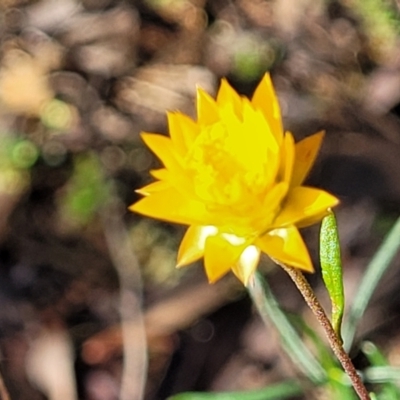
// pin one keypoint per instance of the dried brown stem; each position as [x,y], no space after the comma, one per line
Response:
[134,340]
[3,390]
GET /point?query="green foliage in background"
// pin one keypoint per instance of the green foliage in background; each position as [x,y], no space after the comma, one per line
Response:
[17,156]
[86,191]
[381,21]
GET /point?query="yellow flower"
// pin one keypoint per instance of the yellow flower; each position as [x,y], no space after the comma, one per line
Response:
[236,179]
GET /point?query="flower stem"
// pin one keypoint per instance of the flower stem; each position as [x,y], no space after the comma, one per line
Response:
[334,340]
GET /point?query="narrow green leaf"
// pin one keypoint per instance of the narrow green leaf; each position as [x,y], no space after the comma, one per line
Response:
[269,310]
[331,266]
[278,391]
[375,357]
[382,375]
[376,268]
[381,372]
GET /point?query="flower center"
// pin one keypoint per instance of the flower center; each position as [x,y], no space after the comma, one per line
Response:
[224,169]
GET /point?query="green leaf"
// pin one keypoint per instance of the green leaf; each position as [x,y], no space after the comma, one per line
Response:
[278,391]
[376,268]
[382,375]
[331,266]
[381,372]
[269,310]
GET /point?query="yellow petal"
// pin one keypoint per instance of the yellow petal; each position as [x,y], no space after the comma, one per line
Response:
[207,110]
[227,97]
[302,203]
[163,148]
[231,123]
[286,246]
[265,99]
[193,243]
[271,204]
[247,264]
[183,131]
[306,153]
[220,256]
[153,188]
[177,179]
[288,154]
[161,174]
[258,129]
[312,220]
[170,205]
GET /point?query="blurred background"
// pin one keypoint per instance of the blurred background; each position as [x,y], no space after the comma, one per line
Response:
[92,306]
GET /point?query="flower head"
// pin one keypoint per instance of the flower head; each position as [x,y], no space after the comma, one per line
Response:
[235,177]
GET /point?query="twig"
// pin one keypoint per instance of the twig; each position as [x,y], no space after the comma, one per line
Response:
[134,340]
[4,395]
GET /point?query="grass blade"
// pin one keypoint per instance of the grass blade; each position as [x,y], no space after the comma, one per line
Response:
[376,268]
